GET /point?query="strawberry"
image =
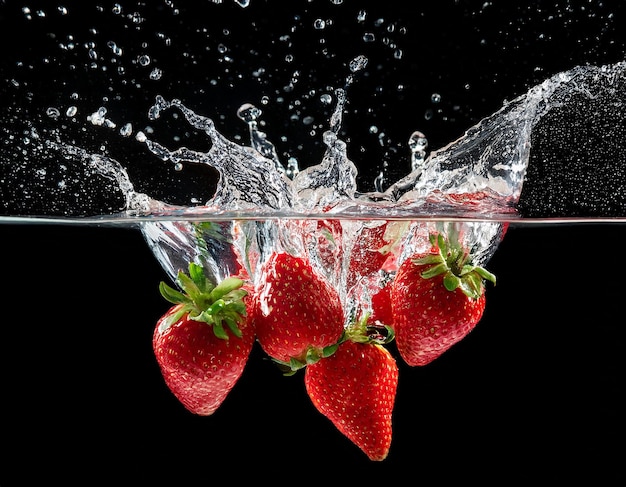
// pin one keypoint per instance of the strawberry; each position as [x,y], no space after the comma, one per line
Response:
[437,298]
[203,342]
[297,313]
[368,254]
[381,306]
[355,388]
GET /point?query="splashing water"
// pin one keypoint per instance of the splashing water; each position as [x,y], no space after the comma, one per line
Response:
[470,187]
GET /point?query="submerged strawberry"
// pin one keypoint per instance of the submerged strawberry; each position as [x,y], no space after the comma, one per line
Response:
[437,298]
[381,306]
[369,253]
[355,388]
[297,313]
[202,343]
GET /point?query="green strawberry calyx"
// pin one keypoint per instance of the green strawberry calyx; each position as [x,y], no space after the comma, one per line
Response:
[360,331]
[220,306]
[452,261]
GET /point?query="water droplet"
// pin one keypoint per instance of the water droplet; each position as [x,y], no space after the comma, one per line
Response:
[143,60]
[319,24]
[435,98]
[418,143]
[53,112]
[292,167]
[126,130]
[358,63]
[369,37]
[378,182]
[71,111]
[156,74]
[248,113]
[326,98]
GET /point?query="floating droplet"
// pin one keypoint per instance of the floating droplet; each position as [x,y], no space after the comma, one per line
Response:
[326,99]
[156,74]
[319,24]
[418,143]
[248,113]
[53,112]
[126,130]
[358,63]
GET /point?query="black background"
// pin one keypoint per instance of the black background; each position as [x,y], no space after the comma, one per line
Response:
[533,396]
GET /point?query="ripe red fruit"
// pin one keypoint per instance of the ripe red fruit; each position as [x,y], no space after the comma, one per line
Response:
[437,298]
[355,388]
[368,254]
[381,306]
[297,313]
[202,343]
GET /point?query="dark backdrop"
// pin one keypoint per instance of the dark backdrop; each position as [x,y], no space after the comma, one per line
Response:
[533,396]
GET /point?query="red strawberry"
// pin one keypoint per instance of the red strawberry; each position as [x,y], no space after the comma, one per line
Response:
[368,254]
[202,343]
[381,306]
[297,313]
[355,388]
[437,298]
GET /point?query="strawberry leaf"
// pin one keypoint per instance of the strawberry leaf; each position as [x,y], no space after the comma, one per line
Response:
[219,331]
[485,274]
[429,259]
[329,350]
[231,322]
[225,287]
[215,305]
[435,270]
[451,282]
[173,296]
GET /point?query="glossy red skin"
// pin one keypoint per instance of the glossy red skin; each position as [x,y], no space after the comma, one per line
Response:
[295,309]
[199,368]
[355,388]
[427,318]
[366,256]
[381,306]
